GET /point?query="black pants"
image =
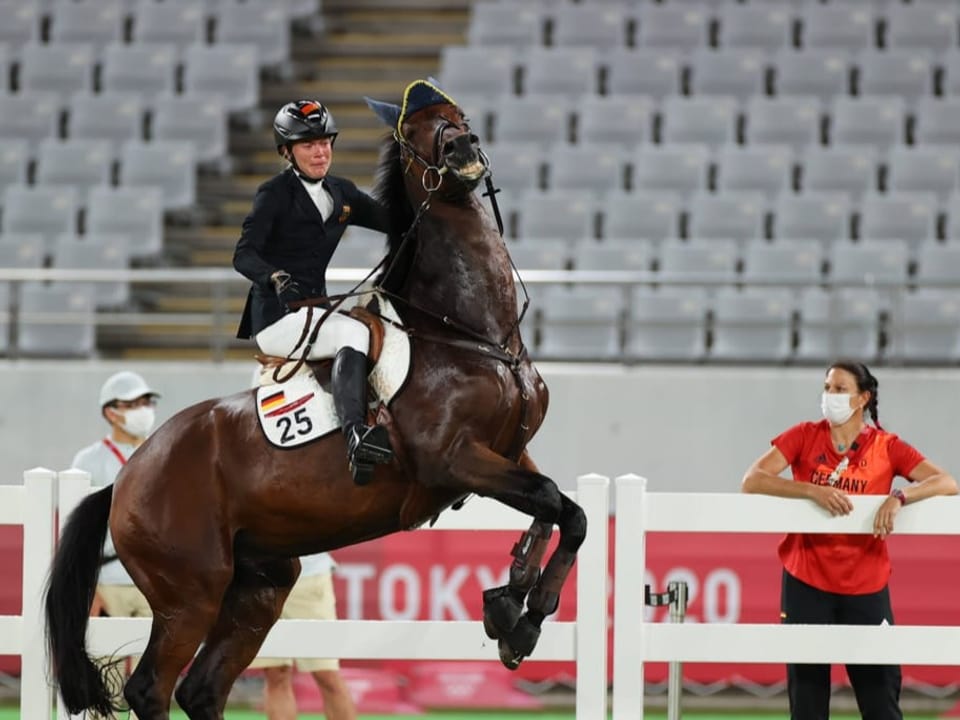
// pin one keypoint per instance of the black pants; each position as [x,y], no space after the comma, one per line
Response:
[877,687]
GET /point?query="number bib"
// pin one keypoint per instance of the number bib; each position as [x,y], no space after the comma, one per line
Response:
[296,412]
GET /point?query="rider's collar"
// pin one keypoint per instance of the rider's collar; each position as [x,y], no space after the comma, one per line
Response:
[306,179]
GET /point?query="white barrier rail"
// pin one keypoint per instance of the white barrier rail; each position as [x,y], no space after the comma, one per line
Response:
[636,642]
[582,641]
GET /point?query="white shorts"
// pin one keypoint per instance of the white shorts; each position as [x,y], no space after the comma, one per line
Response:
[338,331]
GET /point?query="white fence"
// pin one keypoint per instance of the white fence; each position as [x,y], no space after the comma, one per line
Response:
[582,641]
[636,642]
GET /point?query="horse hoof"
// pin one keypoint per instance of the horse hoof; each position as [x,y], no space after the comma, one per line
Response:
[508,656]
[501,612]
[523,638]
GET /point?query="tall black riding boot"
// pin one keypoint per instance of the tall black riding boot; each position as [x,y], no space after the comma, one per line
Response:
[366,446]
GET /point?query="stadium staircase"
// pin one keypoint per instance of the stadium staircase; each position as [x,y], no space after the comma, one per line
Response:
[363,49]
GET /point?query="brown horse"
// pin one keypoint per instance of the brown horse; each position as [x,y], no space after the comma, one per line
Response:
[209,518]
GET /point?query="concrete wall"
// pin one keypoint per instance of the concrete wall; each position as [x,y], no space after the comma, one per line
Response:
[685,428]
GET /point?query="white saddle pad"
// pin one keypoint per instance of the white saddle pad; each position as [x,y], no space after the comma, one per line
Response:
[299,410]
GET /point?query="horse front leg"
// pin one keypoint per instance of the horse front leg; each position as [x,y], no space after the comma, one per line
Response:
[523,487]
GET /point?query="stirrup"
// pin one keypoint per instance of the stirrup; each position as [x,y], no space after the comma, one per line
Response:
[367,447]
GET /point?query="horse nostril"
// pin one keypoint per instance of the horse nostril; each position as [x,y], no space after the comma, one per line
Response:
[449,147]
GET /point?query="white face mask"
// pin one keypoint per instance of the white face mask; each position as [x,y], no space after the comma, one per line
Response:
[138,421]
[836,407]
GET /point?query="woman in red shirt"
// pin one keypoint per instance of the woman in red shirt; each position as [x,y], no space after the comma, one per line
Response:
[842,579]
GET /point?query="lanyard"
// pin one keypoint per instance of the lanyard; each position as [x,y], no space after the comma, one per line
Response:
[115,450]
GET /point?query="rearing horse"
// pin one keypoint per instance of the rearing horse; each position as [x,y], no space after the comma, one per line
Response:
[209,518]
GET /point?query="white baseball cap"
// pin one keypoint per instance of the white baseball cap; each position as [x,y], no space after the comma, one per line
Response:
[124,386]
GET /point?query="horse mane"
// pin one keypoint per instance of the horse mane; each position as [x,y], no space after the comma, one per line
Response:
[390,190]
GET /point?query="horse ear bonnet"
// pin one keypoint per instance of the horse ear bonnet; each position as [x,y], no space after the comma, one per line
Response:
[418,95]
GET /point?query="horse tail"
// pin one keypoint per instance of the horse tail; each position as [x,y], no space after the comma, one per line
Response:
[70,592]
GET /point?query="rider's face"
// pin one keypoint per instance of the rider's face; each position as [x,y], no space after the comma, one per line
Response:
[313,156]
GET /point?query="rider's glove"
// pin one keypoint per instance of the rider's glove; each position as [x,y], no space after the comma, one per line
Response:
[287,289]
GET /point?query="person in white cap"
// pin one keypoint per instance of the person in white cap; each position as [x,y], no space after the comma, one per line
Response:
[127,403]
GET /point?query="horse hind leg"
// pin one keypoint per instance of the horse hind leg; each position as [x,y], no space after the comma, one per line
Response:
[250,607]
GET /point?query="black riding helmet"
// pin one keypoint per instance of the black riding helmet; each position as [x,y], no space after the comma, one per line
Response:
[302,120]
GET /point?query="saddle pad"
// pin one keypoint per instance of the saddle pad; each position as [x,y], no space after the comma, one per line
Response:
[295,412]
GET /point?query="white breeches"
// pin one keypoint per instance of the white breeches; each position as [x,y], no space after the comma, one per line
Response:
[338,331]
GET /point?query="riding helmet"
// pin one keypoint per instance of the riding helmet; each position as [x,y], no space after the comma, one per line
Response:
[302,120]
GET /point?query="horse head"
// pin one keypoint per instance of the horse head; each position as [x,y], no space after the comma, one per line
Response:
[434,139]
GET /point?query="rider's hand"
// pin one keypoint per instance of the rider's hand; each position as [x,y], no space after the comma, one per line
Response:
[832,500]
[287,289]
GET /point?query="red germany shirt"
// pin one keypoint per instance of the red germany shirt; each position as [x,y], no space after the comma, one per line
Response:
[842,563]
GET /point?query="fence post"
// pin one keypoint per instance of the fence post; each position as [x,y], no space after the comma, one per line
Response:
[630,561]
[593,495]
[36,695]
[73,487]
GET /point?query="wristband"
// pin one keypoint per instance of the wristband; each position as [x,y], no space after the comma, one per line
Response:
[898,494]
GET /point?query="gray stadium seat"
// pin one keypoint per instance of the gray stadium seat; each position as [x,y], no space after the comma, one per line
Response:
[21,24]
[850,169]
[937,121]
[894,72]
[760,167]
[46,209]
[643,71]
[624,119]
[640,214]
[228,70]
[360,247]
[952,224]
[537,119]
[148,69]
[951,72]
[698,259]
[80,164]
[786,260]
[511,24]
[56,320]
[938,263]
[838,323]
[824,216]
[733,71]
[874,261]
[624,255]
[752,324]
[736,215]
[4,318]
[666,324]
[925,326]
[570,71]
[202,121]
[581,323]
[925,26]
[6,68]
[842,27]
[478,70]
[63,68]
[681,168]
[602,27]
[14,161]
[537,253]
[96,252]
[265,25]
[22,250]
[876,120]
[596,168]
[114,116]
[822,73]
[764,26]
[168,164]
[926,168]
[30,116]
[98,23]
[559,214]
[710,120]
[136,212]
[898,216]
[672,26]
[793,120]
[179,23]
[517,167]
